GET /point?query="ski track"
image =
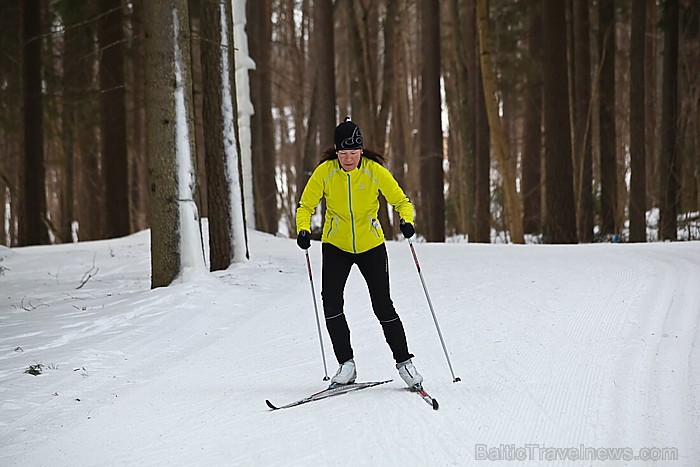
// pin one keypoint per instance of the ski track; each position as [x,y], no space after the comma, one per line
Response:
[560,360]
[660,386]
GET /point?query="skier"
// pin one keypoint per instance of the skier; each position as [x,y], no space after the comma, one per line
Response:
[350,177]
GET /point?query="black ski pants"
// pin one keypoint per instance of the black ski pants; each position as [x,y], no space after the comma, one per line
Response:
[374,266]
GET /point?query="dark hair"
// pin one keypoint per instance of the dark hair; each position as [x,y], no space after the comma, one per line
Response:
[330,154]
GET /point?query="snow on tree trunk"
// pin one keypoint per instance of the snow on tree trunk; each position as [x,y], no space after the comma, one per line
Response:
[176,244]
[245,105]
[191,250]
[237,228]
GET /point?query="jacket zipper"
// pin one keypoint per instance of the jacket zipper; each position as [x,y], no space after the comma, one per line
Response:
[352,217]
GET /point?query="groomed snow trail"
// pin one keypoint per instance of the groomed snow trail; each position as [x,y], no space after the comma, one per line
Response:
[586,346]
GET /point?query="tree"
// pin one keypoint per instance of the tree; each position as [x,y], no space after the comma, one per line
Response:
[325,70]
[33,228]
[113,117]
[175,235]
[582,120]
[321,119]
[12,158]
[481,136]
[403,158]
[532,146]
[430,130]
[461,120]
[608,146]
[371,74]
[559,190]
[226,227]
[669,193]
[137,138]
[488,80]
[637,206]
[262,130]
[79,133]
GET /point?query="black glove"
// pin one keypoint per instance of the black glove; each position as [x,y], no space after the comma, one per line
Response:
[407,229]
[304,240]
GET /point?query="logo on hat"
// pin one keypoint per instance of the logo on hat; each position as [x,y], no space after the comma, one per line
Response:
[347,135]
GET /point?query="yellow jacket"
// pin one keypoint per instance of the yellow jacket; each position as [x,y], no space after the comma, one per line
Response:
[352,203]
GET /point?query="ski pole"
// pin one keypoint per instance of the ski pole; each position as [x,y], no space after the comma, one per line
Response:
[318,322]
[430,304]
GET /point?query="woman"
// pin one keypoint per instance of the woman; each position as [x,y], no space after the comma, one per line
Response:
[350,178]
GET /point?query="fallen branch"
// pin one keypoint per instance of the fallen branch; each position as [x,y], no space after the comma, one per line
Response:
[89,274]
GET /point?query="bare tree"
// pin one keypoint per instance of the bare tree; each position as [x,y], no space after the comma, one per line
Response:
[637,206]
[669,192]
[461,120]
[110,33]
[175,235]
[325,71]
[559,191]
[582,119]
[513,202]
[481,135]
[79,127]
[33,228]
[226,233]
[432,222]
[532,146]
[650,99]
[321,119]
[138,158]
[264,178]
[608,146]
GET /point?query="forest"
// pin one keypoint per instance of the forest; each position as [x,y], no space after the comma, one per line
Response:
[547,121]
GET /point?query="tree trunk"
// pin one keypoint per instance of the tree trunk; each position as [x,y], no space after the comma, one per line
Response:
[430,130]
[264,178]
[217,132]
[650,93]
[175,236]
[637,206]
[139,159]
[194,7]
[532,151]
[463,121]
[113,117]
[582,119]
[401,135]
[321,115]
[608,157]
[669,166]
[513,203]
[382,112]
[325,70]
[33,227]
[559,191]
[11,97]
[74,82]
[481,136]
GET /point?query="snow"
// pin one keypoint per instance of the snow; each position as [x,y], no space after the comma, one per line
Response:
[191,253]
[244,63]
[587,347]
[236,227]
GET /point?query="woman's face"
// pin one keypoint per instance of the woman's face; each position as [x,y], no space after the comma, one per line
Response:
[349,158]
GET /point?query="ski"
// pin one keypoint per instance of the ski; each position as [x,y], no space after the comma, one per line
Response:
[329,392]
[418,389]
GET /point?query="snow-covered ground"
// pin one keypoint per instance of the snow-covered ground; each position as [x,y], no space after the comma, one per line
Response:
[587,347]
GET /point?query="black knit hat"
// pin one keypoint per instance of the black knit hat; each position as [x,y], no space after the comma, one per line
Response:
[347,135]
